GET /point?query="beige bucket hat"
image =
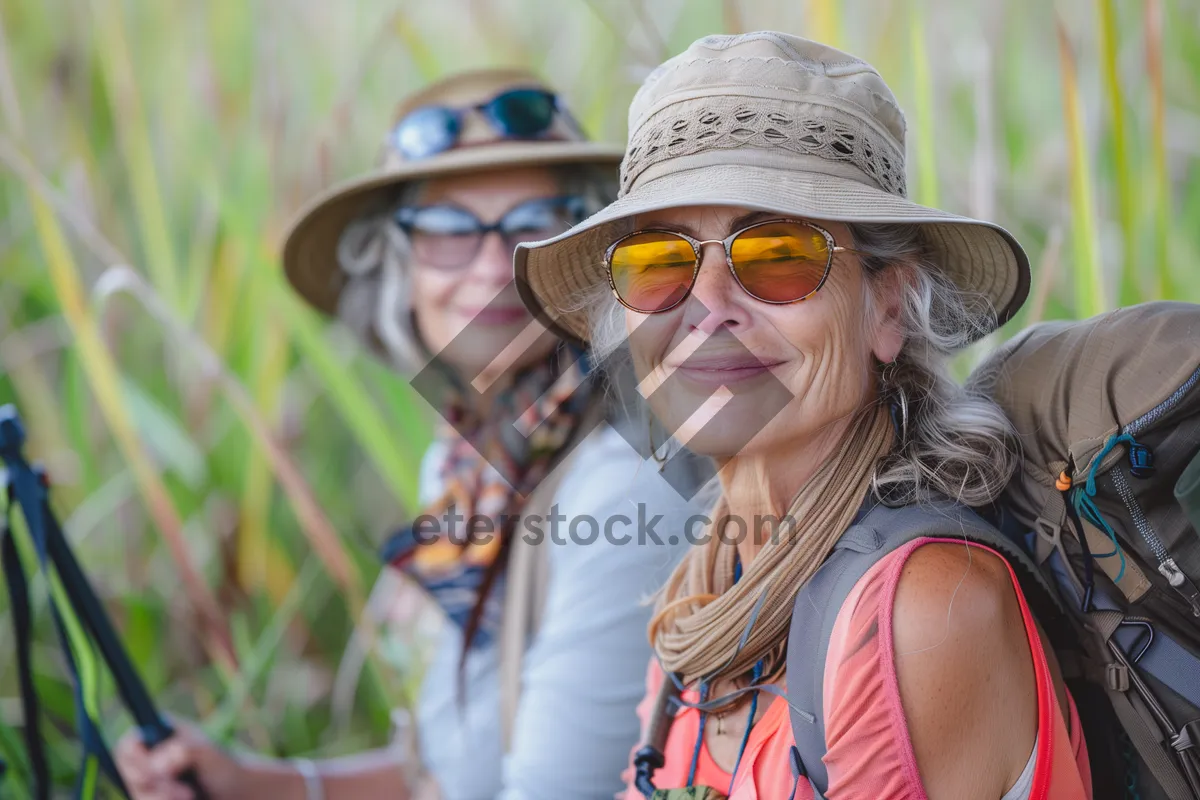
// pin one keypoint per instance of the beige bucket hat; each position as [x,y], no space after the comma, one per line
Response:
[770,122]
[310,246]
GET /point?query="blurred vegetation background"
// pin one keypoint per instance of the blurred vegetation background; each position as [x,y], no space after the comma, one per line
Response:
[226,464]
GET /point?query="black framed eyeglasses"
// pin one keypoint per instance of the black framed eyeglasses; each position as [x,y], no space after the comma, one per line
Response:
[514,114]
[448,236]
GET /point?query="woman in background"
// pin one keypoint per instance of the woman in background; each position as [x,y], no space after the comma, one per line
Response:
[546,643]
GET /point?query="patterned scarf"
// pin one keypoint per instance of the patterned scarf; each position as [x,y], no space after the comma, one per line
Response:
[493,462]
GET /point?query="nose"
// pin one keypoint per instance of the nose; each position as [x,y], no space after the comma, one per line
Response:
[715,300]
[493,264]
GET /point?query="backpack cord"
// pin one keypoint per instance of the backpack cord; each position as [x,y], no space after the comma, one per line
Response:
[1089,570]
[1086,506]
[649,757]
[758,670]
[691,778]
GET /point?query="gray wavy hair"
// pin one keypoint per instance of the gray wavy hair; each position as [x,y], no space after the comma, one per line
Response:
[375,257]
[957,442]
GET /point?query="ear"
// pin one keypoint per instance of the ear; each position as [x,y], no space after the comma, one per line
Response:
[887,334]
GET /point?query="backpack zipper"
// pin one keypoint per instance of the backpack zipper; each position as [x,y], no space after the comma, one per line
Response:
[1166,565]
[1151,416]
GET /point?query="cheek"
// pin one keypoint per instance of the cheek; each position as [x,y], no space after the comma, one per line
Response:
[432,296]
[650,338]
[433,289]
[831,369]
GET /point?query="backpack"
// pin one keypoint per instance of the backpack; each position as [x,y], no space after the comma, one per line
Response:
[1187,491]
[1107,412]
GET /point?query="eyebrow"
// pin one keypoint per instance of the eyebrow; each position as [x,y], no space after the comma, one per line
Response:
[751,218]
[738,223]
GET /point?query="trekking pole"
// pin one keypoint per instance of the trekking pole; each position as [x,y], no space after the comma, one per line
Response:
[28,487]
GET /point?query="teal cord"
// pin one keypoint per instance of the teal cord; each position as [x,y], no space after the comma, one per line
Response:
[1086,506]
[699,736]
[757,675]
[1112,442]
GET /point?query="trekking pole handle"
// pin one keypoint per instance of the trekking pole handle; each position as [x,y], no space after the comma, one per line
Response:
[158,732]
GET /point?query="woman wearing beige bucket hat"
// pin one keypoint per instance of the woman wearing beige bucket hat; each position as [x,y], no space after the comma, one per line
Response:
[791,313]
[533,688]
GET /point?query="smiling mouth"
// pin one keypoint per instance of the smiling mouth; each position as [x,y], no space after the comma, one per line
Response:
[718,371]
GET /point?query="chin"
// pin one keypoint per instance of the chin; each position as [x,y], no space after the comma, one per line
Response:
[471,352]
[724,422]
[722,444]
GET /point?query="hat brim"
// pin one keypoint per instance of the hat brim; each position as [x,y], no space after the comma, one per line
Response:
[310,245]
[557,277]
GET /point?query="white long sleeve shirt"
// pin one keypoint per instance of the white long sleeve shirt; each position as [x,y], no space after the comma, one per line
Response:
[584,673]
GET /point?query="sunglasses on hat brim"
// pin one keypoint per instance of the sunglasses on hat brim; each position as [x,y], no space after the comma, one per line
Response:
[518,114]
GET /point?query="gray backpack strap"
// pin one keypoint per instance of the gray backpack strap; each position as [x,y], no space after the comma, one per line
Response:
[879,530]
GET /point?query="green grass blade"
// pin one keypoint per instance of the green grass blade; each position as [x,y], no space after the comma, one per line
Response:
[261,563]
[205,238]
[1164,283]
[130,120]
[16,782]
[270,638]
[419,50]
[106,385]
[825,21]
[162,433]
[396,465]
[927,178]
[1125,188]
[1089,281]
[20,360]
[316,526]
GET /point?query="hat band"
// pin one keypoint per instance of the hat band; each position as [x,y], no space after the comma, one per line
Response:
[753,128]
[786,169]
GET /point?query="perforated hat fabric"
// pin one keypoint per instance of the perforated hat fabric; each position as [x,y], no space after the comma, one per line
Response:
[769,122]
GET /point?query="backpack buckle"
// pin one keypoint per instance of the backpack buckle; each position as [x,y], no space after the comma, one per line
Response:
[1048,539]
[1116,676]
[1188,737]
[1141,461]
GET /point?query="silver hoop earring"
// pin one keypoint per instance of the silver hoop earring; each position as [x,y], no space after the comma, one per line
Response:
[899,409]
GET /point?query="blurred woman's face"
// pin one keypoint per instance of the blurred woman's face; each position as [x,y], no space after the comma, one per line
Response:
[465,301]
[783,372]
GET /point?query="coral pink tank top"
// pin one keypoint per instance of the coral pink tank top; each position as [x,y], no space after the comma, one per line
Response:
[869,752]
